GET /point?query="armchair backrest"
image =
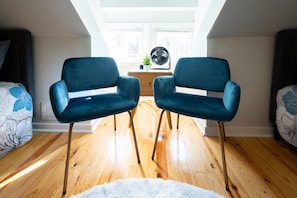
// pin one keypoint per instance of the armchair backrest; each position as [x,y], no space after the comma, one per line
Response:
[205,73]
[89,73]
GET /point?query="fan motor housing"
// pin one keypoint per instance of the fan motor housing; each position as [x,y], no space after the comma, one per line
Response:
[160,56]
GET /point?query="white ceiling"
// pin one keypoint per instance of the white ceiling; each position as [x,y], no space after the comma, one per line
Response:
[149,15]
[237,18]
[255,18]
[151,3]
[141,11]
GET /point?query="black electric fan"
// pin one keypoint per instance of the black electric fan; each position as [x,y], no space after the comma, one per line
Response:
[160,56]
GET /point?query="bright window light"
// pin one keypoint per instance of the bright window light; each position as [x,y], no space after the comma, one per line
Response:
[131,44]
[178,42]
[125,44]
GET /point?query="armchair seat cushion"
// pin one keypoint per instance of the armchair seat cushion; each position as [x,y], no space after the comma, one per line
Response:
[196,106]
[92,107]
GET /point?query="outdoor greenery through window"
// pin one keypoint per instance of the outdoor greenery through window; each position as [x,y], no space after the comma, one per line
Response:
[131,44]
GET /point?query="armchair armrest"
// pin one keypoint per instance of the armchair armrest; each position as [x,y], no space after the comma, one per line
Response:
[129,86]
[231,97]
[163,86]
[59,98]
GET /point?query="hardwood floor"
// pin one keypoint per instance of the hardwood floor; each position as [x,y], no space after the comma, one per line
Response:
[257,167]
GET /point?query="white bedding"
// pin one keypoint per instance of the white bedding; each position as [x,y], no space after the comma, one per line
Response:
[16,111]
[286,114]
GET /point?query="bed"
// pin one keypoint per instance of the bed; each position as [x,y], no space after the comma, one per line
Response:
[16,89]
[283,99]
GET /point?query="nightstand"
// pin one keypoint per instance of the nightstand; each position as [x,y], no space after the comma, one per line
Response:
[146,79]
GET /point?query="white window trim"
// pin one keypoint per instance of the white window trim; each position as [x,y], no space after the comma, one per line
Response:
[150,32]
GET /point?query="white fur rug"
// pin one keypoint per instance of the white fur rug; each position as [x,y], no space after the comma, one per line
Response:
[146,188]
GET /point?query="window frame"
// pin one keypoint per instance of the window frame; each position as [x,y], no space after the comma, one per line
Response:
[149,39]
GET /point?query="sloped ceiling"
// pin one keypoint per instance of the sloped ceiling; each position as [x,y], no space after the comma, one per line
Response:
[237,18]
[255,18]
[42,17]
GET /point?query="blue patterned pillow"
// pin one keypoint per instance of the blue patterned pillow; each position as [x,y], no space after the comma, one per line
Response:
[4,45]
[290,100]
[23,98]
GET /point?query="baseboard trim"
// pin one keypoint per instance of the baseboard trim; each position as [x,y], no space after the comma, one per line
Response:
[79,127]
[90,127]
[235,131]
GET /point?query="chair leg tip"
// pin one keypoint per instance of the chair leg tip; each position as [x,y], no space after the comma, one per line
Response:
[138,161]
[64,192]
[228,189]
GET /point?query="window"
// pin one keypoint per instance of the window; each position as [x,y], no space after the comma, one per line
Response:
[125,44]
[177,41]
[131,43]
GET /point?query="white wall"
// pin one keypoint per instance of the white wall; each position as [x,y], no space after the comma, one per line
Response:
[87,12]
[250,60]
[49,55]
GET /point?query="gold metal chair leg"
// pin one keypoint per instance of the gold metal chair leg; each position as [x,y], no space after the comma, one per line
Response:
[222,139]
[134,136]
[67,158]
[133,112]
[177,122]
[224,134]
[169,119]
[115,122]
[157,134]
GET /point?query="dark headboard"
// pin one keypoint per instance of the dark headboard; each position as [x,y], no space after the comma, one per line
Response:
[18,64]
[284,68]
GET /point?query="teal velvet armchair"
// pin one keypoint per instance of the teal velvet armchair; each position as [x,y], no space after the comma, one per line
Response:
[92,73]
[204,73]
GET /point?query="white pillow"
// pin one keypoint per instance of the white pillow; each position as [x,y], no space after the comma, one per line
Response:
[4,45]
[286,114]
